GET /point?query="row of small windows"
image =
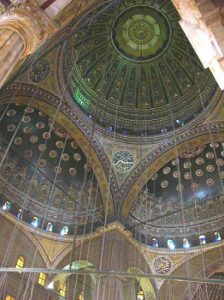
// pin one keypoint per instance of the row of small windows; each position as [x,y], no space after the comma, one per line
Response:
[20,264]
[41,280]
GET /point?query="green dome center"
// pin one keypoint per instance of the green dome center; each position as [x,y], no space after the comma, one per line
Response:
[141,33]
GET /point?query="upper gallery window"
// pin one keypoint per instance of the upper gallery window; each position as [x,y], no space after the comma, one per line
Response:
[20,262]
[42,279]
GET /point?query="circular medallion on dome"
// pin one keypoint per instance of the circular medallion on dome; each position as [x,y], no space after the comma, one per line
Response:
[123,161]
[141,33]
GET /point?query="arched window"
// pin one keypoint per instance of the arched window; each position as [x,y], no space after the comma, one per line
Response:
[42,279]
[62,290]
[81,296]
[8,297]
[140,295]
[20,262]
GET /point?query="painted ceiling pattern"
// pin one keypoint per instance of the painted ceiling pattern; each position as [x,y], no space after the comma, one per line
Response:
[46,169]
[131,64]
[128,66]
[184,196]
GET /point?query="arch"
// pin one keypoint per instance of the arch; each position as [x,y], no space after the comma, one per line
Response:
[209,260]
[145,283]
[24,229]
[62,280]
[164,158]
[89,146]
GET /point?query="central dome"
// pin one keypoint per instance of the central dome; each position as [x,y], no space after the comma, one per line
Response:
[130,66]
[141,33]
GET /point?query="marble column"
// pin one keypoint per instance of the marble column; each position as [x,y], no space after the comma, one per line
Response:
[112,288]
[11,50]
[23,29]
[202,22]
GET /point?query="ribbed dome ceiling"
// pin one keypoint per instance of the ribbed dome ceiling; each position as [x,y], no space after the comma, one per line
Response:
[131,63]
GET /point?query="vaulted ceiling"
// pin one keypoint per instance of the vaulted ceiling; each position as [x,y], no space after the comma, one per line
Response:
[115,118]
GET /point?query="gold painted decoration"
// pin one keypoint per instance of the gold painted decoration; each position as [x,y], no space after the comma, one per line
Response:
[40,125]
[59,144]
[18,141]
[42,147]
[53,154]
[220,162]
[57,169]
[164,184]
[27,130]
[65,157]
[72,171]
[42,163]
[28,153]
[29,110]
[33,139]
[166,170]
[11,113]
[26,119]
[210,155]
[176,174]
[11,128]
[187,176]
[200,161]
[46,135]
[187,165]
[210,182]
[194,186]
[210,168]
[199,172]
[180,187]
[77,157]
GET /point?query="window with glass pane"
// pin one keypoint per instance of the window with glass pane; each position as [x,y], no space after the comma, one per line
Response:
[140,296]
[8,297]
[20,262]
[42,279]
[81,296]
[62,290]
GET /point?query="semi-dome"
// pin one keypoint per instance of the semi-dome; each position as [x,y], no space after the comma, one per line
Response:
[183,199]
[130,66]
[44,175]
